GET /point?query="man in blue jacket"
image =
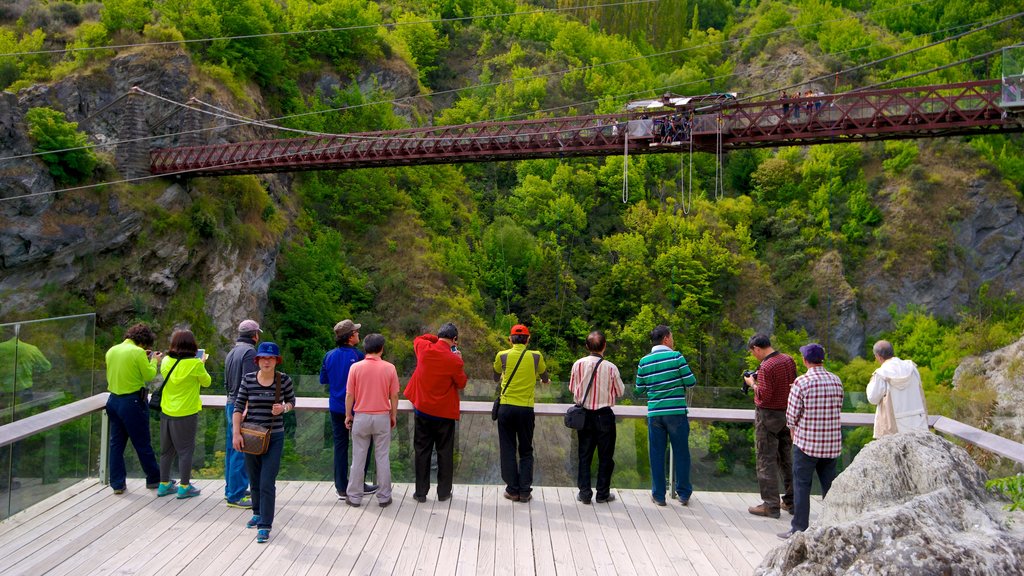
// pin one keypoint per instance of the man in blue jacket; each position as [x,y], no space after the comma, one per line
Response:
[334,375]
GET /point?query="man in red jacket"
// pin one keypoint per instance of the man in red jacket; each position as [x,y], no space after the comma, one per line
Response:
[433,390]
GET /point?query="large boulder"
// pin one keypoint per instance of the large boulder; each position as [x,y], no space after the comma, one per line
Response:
[909,504]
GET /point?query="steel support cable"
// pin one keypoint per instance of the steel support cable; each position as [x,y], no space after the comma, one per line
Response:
[400,101]
[323,30]
[719,182]
[625,165]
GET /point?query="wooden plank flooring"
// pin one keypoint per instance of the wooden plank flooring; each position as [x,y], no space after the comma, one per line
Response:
[86,529]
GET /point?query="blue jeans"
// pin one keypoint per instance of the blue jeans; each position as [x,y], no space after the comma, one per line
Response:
[263,470]
[236,480]
[804,467]
[661,430]
[129,419]
[340,451]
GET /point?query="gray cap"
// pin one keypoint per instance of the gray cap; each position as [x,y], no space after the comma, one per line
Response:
[346,326]
[249,326]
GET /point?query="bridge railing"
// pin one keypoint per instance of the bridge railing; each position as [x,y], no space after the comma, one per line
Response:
[721,456]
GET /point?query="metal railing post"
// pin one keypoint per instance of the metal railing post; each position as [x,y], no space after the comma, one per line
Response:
[104,469]
[671,472]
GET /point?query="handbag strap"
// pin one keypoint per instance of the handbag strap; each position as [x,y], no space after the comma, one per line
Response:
[169,372]
[593,376]
[513,374]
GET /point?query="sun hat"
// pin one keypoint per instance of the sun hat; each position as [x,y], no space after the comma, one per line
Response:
[269,350]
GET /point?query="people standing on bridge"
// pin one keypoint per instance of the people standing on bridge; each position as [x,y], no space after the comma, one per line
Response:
[664,375]
[595,383]
[241,360]
[130,365]
[262,398]
[334,375]
[813,413]
[785,104]
[184,374]
[895,387]
[773,443]
[516,371]
[433,390]
[371,411]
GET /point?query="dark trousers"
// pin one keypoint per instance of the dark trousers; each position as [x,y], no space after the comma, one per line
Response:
[262,469]
[804,467]
[598,433]
[774,446]
[515,432]
[177,438]
[129,419]
[431,434]
[341,439]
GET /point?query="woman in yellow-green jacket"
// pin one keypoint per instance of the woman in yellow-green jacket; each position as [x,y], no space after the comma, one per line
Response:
[184,372]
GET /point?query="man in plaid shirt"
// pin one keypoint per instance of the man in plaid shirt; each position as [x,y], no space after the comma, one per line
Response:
[815,401]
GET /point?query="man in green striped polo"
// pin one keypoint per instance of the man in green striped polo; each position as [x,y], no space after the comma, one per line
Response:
[664,376]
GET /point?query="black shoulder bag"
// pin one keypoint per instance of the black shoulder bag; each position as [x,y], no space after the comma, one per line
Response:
[576,415]
[158,392]
[497,401]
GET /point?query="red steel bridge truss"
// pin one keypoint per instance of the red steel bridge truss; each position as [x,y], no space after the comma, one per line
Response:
[898,113]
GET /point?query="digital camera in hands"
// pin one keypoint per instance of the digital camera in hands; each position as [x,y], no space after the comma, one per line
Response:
[751,373]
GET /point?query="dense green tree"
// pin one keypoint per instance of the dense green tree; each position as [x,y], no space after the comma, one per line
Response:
[64,148]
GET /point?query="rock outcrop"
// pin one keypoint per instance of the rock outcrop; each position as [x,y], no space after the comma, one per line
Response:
[1001,370]
[976,237]
[909,504]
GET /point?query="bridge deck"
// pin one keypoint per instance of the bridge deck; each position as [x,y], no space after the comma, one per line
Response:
[89,530]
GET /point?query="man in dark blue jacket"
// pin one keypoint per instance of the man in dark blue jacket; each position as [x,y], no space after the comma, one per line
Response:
[334,375]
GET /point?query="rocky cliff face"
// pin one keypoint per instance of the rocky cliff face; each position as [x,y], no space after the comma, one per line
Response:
[1001,370]
[950,241]
[909,504]
[90,241]
[101,244]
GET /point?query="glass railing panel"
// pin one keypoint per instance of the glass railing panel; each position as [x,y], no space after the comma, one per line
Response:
[45,364]
[722,453]
[46,463]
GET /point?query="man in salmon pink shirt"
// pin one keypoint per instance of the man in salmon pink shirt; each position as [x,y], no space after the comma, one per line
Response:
[371,411]
[433,390]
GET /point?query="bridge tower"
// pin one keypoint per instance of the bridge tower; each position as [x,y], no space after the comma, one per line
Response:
[132,155]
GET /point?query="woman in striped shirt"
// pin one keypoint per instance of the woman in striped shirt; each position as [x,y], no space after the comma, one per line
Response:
[263,396]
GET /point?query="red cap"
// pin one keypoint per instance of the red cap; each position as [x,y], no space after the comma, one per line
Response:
[520,330]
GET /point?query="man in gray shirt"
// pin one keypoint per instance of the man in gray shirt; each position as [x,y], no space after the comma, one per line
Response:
[240,361]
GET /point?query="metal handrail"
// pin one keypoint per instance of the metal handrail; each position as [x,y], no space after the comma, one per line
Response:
[21,429]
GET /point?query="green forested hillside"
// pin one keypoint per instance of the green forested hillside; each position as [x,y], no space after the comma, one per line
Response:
[776,240]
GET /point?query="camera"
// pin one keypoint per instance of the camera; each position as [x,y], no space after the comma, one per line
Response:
[752,373]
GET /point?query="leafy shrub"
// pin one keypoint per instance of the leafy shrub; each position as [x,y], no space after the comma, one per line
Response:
[1012,487]
[160,33]
[900,155]
[51,132]
[130,15]
[13,68]
[67,13]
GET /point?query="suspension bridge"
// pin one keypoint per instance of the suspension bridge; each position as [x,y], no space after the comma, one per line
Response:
[978,107]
